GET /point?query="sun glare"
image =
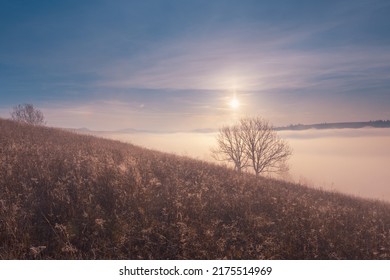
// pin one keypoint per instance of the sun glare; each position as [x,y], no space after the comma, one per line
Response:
[234,103]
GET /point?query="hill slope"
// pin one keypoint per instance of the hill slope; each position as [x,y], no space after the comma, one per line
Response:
[70,196]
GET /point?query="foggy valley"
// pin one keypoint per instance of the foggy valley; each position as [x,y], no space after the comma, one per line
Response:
[352,161]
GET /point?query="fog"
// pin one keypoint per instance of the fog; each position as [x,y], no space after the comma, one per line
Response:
[352,161]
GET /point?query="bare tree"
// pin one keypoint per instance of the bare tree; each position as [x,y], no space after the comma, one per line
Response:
[26,113]
[252,142]
[231,147]
[266,151]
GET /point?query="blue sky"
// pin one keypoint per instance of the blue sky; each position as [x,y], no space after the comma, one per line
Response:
[175,65]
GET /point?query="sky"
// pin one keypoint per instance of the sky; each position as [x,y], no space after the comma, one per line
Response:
[177,65]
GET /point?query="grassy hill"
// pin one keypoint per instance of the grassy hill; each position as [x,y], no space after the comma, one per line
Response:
[70,196]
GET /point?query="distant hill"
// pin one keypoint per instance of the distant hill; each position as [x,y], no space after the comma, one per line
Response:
[65,195]
[340,125]
[378,124]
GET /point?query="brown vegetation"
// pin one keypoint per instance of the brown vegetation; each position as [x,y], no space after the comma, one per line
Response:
[70,196]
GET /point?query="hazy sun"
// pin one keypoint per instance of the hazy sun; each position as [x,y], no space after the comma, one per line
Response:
[234,103]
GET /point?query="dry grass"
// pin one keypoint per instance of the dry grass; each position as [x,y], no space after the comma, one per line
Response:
[69,196]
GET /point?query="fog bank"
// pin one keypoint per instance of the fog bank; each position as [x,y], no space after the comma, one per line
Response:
[353,161]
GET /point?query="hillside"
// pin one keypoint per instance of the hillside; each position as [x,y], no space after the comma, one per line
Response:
[70,196]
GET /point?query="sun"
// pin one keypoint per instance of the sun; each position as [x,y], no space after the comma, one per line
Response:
[234,103]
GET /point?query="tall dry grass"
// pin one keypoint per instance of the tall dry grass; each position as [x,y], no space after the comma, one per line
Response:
[70,196]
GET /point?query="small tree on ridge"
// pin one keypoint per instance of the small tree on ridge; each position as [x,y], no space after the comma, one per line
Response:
[26,113]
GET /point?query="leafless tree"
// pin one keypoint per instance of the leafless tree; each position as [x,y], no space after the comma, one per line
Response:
[252,142]
[26,113]
[231,147]
[266,151]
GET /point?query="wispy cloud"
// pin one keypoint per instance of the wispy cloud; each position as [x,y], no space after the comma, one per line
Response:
[192,80]
[152,66]
[243,63]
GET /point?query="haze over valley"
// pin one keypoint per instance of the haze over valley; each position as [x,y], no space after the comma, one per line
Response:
[353,161]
